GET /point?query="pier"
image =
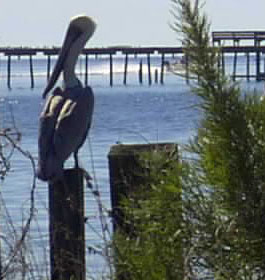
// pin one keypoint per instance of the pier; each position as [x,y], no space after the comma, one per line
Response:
[110,52]
[254,38]
[219,39]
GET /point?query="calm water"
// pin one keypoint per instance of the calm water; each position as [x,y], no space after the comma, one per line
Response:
[124,114]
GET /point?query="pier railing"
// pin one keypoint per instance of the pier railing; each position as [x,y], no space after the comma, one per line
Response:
[237,36]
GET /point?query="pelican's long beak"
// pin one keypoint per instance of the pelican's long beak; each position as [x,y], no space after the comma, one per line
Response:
[73,33]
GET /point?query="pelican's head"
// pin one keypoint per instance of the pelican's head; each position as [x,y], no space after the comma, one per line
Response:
[80,29]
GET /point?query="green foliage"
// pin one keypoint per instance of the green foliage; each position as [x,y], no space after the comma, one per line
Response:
[202,218]
[231,158]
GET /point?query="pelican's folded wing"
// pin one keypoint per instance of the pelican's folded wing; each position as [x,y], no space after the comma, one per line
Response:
[47,125]
[73,122]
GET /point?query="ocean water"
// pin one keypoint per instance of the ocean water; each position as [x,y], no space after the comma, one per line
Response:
[123,114]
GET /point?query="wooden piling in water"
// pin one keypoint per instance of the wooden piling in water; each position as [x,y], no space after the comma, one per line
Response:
[149,69]
[111,70]
[125,69]
[223,62]
[234,66]
[9,71]
[258,65]
[86,70]
[187,71]
[48,66]
[248,67]
[67,233]
[156,76]
[162,68]
[31,71]
[140,73]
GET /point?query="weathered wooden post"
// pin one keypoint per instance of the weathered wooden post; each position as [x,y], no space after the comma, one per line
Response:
[223,62]
[67,231]
[234,66]
[187,70]
[9,71]
[248,67]
[31,71]
[86,69]
[156,76]
[162,69]
[257,45]
[125,69]
[125,179]
[123,169]
[48,66]
[140,73]
[111,69]
[149,69]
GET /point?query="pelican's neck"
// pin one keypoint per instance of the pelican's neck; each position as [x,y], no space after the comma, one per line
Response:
[69,77]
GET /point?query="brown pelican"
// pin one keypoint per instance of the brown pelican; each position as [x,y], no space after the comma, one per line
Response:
[67,113]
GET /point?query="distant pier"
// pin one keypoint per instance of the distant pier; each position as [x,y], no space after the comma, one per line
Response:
[220,39]
[254,47]
[97,52]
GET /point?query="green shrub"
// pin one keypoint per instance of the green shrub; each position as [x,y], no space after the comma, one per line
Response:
[202,217]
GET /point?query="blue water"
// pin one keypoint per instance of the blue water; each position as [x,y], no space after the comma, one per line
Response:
[123,114]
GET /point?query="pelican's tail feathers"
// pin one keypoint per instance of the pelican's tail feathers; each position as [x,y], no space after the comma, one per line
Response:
[50,170]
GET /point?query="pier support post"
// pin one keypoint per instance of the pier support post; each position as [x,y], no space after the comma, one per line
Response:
[9,71]
[234,66]
[248,67]
[125,69]
[111,70]
[141,72]
[187,69]
[258,65]
[149,69]
[31,71]
[67,234]
[48,67]
[156,76]
[86,70]
[223,62]
[162,69]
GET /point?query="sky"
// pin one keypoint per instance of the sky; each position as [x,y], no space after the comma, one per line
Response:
[119,22]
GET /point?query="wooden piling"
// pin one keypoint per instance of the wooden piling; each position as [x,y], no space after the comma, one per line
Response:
[234,66]
[9,71]
[125,180]
[31,71]
[125,69]
[140,73]
[223,62]
[162,68]
[149,69]
[111,70]
[187,71]
[248,67]
[67,234]
[48,66]
[124,173]
[86,70]
[258,65]
[156,76]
